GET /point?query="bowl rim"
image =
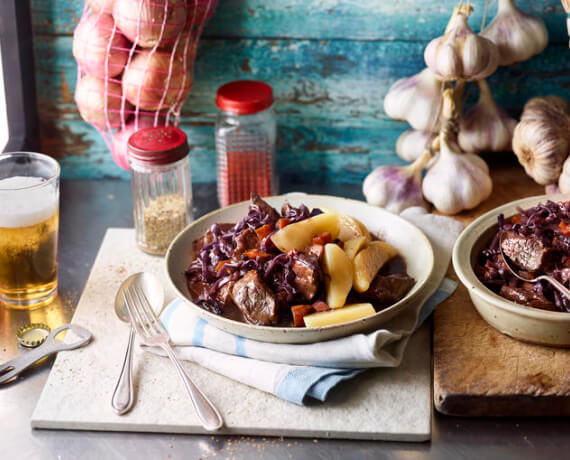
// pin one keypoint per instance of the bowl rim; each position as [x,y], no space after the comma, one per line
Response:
[466,274]
[416,291]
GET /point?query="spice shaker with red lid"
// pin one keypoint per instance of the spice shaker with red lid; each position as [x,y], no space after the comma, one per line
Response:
[245,141]
[161,185]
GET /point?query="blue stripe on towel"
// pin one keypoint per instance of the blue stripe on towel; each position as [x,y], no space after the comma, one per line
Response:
[240,346]
[198,337]
[168,311]
[301,381]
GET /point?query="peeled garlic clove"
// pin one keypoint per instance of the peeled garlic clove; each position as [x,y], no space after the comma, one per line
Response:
[396,188]
[412,144]
[486,127]
[564,180]
[460,54]
[415,99]
[518,35]
[541,140]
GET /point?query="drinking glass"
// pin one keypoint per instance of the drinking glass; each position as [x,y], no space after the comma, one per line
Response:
[29,221]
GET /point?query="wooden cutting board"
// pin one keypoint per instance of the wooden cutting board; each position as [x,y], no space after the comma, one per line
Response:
[477,370]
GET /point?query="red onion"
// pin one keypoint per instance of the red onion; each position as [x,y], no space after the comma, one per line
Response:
[90,99]
[151,75]
[98,5]
[91,41]
[120,139]
[141,20]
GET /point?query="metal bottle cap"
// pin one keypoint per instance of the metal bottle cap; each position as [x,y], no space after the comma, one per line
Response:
[33,335]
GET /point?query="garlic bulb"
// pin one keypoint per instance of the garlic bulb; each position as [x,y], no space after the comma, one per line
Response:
[412,143]
[456,181]
[415,99]
[564,180]
[486,127]
[460,54]
[396,188]
[541,140]
[518,35]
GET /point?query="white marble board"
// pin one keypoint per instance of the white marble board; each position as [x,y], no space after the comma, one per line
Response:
[382,404]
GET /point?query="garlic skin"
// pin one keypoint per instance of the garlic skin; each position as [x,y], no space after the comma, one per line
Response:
[396,188]
[412,144]
[541,140]
[486,127]
[564,180]
[415,99]
[518,35]
[460,54]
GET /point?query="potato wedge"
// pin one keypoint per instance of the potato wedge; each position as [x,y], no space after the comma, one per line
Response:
[342,315]
[338,267]
[298,235]
[369,261]
[350,227]
[352,246]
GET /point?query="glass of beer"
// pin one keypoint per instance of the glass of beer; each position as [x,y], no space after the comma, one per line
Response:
[29,220]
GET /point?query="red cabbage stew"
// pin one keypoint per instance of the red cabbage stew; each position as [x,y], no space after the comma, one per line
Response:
[237,272]
[537,242]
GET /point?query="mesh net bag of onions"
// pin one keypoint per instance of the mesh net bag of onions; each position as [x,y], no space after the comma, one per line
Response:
[135,64]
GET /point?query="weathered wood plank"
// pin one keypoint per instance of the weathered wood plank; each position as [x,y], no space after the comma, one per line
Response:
[337,80]
[319,19]
[329,101]
[304,153]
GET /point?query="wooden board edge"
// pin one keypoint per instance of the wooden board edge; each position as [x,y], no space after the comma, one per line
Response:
[465,405]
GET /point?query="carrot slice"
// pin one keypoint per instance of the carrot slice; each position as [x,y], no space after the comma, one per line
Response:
[253,253]
[564,227]
[516,219]
[221,264]
[299,312]
[283,222]
[323,238]
[263,231]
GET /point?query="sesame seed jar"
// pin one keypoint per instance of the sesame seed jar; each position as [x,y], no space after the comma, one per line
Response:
[161,186]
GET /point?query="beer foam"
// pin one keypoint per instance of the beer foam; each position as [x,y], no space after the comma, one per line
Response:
[25,207]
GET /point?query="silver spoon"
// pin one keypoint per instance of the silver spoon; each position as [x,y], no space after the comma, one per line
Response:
[123,398]
[555,283]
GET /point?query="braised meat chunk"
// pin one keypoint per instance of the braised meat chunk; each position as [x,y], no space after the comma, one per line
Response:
[527,252]
[245,241]
[208,237]
[255,300]
[264,208]
[388,289]
[307,275]
[526,297]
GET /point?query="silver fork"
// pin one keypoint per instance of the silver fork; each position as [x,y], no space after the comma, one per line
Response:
[152,333]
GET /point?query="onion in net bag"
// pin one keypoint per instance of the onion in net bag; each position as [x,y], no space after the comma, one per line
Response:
[135,64]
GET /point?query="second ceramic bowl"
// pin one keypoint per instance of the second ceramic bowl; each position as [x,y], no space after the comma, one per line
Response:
[519,321]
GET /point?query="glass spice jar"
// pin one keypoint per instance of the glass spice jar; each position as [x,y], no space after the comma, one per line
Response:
[245,141]
[161,186]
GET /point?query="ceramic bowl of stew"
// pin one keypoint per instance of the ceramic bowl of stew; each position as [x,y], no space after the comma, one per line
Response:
[517,320]
[411,243]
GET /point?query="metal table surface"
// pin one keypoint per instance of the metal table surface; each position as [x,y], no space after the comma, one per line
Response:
[88,208]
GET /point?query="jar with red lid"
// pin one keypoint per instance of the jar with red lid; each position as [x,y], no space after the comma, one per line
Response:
[245,141]
[161,186]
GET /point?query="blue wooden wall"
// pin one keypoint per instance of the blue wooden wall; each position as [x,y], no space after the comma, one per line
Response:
[330,63]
